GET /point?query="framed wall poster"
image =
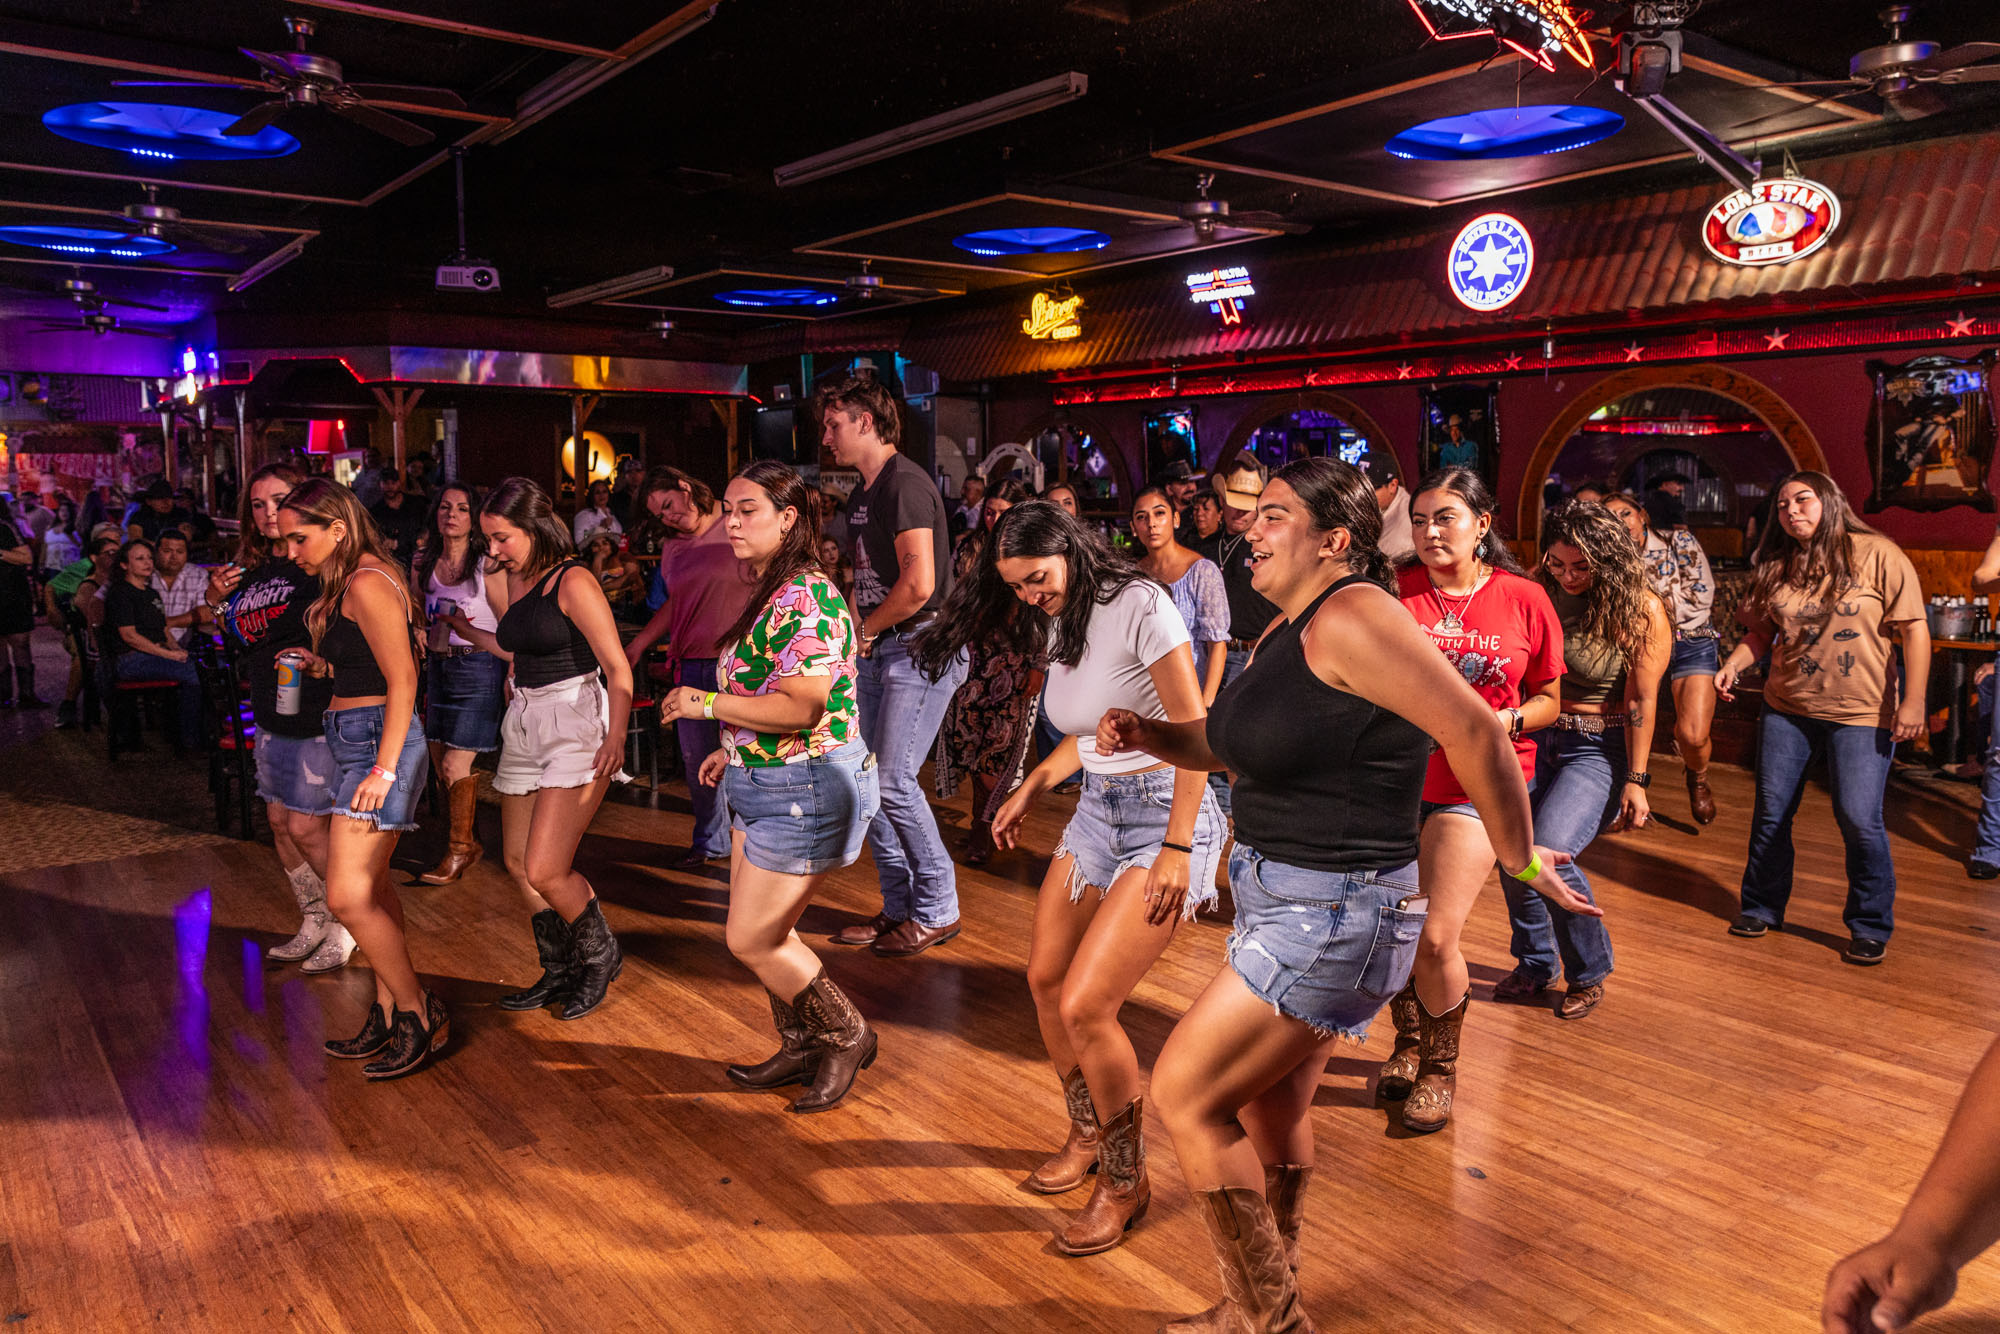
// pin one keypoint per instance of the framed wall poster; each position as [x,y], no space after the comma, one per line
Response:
[1461,428]
[1931,439]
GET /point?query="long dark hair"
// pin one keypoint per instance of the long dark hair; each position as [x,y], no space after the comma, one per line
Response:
[1615,608]
[321,501]
[1828,555]
[252,547]
[798,550]
[475,548]
[524,504]
[1339,495]
[982,605]
[1471,488]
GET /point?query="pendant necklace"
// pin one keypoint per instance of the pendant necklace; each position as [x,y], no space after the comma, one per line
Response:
[1451,622]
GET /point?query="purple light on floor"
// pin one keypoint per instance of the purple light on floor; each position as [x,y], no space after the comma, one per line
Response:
[192,916]
[253,976]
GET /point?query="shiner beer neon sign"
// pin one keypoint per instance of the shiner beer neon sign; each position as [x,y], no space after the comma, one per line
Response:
[1054,317]
[1774,221]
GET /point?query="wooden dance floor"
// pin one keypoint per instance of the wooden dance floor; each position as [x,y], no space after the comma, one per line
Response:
[1691,1157]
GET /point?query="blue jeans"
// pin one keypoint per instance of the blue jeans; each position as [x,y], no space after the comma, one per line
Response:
[136,666]
[1233,662]
[1986,837]
[901,711]
[1577,780]
[699,738]
[1857,763]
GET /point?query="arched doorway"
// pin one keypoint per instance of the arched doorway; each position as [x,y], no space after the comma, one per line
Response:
[1075,447]
[1313,424]
[1672,419]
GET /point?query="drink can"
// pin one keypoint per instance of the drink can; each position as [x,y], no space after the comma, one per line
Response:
[291,680]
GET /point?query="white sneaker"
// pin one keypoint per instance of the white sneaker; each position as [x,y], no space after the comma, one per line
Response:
[333,952]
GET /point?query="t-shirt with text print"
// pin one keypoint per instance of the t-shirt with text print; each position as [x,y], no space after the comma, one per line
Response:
[1510,639]
[805,630]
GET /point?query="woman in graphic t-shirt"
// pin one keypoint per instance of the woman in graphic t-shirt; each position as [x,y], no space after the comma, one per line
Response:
[1138,857]
[261,599]
[798,778]
[1498,628]
[1831,599]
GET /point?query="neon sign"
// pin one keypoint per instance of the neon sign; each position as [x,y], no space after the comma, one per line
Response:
[1223,291]
[1054,317]
[1490,262]
[1773,222]
[1537,29]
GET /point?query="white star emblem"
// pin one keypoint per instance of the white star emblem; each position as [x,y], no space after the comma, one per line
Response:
[1633,350]
[1775,340]
[1960,327]
[1494,262]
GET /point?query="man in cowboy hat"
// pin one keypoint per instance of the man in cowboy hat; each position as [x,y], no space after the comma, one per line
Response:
[1238,481]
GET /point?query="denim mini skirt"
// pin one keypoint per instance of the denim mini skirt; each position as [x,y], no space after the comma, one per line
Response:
[354,735]
[468,693]
[1325,948]
[808,816]
[1120,822]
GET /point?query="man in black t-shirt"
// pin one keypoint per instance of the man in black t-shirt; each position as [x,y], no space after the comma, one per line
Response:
[399,515]
[902,549]
[154,512]
[1238,483]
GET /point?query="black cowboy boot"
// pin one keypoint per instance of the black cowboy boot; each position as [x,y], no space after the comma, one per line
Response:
[552,944]
[594,960]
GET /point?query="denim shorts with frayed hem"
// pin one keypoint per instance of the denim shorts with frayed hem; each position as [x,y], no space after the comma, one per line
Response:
[296,772]
[1120,822]
[1326,948]
[1694,657]
[806,817]
[354,735]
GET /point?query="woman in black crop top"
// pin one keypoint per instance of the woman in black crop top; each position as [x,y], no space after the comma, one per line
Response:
[1329,774]
[561,742]
[361,627]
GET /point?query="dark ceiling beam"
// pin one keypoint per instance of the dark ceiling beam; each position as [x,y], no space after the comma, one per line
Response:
[388,15]
[127,178]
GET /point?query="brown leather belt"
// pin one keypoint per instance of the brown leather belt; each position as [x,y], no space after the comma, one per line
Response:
[1590,724]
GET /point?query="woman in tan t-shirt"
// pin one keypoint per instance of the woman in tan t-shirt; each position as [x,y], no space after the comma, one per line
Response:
[1831,599]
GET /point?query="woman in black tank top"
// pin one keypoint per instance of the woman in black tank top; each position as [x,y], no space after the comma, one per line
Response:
[1328,731]
[361,629]
[561,741]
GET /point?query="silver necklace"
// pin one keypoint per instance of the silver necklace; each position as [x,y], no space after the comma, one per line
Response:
[1452,622]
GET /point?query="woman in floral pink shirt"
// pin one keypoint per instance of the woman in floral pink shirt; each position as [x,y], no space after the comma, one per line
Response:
[799,781]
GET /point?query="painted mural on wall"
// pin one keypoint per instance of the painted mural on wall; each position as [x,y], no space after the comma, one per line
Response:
[1931,440]
[1461,425]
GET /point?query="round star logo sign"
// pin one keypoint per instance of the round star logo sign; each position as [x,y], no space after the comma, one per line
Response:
[1490,262]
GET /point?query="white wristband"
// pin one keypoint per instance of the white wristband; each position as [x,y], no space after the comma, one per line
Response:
[386,774]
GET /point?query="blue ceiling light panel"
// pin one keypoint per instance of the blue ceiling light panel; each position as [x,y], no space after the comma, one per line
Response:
[777,298]
[158,132]
[97,242]
[1506,132]
[1031,241]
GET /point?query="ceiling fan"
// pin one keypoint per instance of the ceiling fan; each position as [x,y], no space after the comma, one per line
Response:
[99,323]
[866,286]
[1203,215]
[302,78]
[90,301]
[1902,73]
[163,222]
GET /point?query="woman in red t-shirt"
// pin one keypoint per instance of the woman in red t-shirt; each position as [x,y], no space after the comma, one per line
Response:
[1500,630]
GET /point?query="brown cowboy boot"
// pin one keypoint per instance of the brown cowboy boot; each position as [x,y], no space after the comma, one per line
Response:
[1399,1072]
[844,1041]
[464,851]
[795,1061]
[1285,1192]
[1428,1107]
[1122,1191]
[1077,1158]
[1701,801]
[1257,1279]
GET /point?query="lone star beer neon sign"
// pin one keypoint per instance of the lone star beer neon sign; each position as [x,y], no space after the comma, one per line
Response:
[1054,317]
[1222,291]
[1776,220]
[1537,29]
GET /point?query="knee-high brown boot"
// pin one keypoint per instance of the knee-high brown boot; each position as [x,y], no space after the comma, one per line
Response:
[1399,1072]
[1285,1192]
[464,851]
[1119,1198]
[1077,1158]
[1428,1107]
[1257,1279]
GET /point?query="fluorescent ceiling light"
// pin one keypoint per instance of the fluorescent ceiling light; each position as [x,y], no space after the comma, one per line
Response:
[935,130]
[645,280]
[271,263]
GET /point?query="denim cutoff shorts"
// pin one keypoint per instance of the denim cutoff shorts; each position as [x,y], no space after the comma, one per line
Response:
[1119,823]
[354,735]
[296,772]
[1326,948]
[1425,810]
[1694,657]
[808,816]
[467,696]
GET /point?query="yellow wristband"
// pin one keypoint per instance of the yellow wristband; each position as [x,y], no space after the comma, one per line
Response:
[1531,872]
[708,704]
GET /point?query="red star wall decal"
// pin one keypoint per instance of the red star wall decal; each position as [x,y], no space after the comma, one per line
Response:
[1961,327]
[1513,361]
[1633,350]
[1403,371]
[1774,341]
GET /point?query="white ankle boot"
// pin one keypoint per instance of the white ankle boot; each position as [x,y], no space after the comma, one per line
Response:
[310,892]
[333,952]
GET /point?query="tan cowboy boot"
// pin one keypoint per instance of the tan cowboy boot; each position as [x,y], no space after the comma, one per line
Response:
[1285,1192]
[1257,1278]
[1428,1107]
[1122,1191]
[1077,1158]
[1399,1072]
[464,851]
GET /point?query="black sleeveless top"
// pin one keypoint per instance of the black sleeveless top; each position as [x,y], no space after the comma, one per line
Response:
[1325,780]
[356,674]
[547,646]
